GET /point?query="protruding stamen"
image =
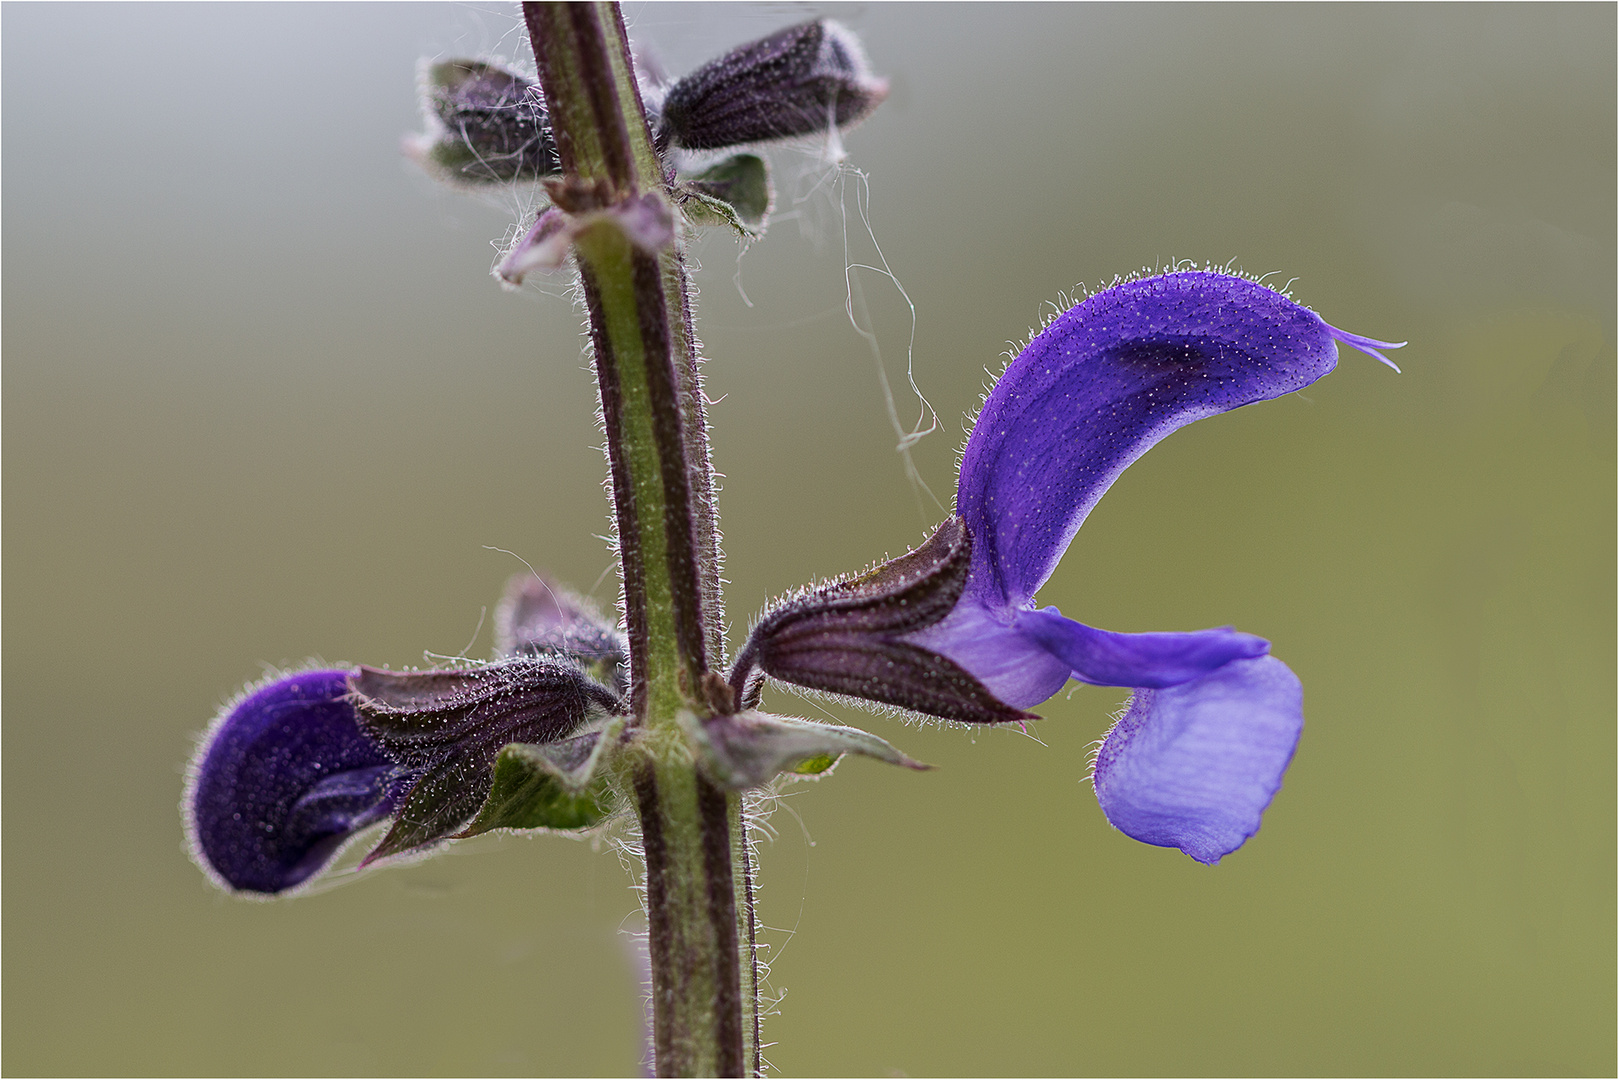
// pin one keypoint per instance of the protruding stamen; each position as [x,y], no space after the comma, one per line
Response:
[1369,346]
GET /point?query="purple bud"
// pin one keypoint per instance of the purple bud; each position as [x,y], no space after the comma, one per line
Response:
[538,617]
[283,779]
[485,125]
[848,638]
[799,81]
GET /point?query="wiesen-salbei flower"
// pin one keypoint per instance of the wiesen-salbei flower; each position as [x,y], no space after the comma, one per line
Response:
[1200,751]
[298,765]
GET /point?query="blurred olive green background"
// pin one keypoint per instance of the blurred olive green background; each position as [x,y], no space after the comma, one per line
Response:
[263,402]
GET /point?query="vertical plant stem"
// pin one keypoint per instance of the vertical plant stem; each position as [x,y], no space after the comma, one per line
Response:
[699,889]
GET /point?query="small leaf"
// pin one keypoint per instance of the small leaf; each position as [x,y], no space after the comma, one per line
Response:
[544,247]
[735,192]
[703,209]
[647,221]
[750,749]
[548,786]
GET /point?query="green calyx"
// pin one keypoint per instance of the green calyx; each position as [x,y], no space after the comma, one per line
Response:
[556,786]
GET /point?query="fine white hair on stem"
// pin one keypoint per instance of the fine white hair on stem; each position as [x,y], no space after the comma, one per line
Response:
[757,805]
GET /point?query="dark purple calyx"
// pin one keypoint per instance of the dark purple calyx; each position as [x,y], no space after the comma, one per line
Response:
[486,124]
[448,727]
[805,80]
[846,638]
[283,780]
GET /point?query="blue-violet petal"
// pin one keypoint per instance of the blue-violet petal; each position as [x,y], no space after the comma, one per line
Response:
[283,778]
[1193,766]
[992,648]
[1105,658]
[1099,386]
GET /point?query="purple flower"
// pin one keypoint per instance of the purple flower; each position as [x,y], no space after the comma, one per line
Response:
[1200,751]
[295,767]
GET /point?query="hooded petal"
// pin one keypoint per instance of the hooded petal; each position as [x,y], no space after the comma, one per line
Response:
[1193,766]
[284,777]
[1098,387]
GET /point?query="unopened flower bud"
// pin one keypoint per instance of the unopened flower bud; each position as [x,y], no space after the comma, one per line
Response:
[485,125]
[538,617]
[799,81]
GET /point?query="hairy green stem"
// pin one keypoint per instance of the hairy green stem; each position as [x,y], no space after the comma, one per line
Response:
[699,888]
